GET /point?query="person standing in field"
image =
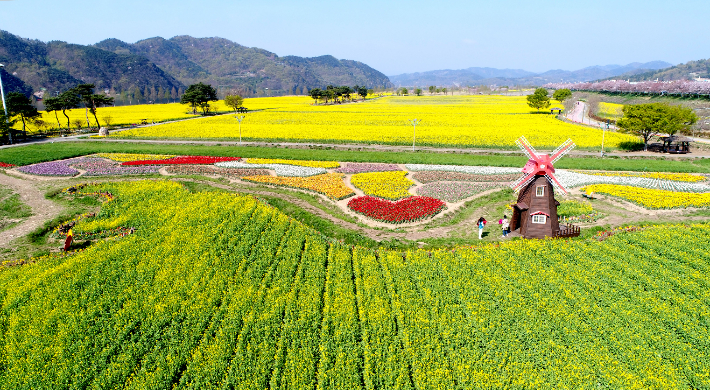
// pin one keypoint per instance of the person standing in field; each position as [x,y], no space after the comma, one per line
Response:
[505,225]
[481,225]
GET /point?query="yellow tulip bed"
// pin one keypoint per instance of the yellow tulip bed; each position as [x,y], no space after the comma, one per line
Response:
[329,184]
[463,121]
[652,198]
[216,289]
[301,163]
[125,157]
[389,185]
[687,177]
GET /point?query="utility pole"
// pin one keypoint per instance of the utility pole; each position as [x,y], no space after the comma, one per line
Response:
[239,118]
[4,106]
[414,123]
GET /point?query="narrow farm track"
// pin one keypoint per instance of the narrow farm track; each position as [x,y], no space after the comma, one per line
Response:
[43,210]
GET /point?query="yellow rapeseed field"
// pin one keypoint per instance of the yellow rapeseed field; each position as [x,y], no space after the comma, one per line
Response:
[392,185]
[126,115]
[652,198]
[610,110]
[469,121]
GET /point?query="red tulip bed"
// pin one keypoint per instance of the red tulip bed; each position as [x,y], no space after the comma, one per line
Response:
[5,165]
[183,160]
[411,209]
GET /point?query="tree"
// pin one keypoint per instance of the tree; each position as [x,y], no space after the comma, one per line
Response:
[198,95]
[418,92]
[65,101]
[431,89]
[362,91]
[444,90]
[52,104]
[539,99]
[562,94]
[5,124]
[316,93]
[649,120]
[403,91]
[233,101]
[91,100]
[19,105]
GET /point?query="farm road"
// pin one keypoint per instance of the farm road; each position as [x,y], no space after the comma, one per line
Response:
[43,210]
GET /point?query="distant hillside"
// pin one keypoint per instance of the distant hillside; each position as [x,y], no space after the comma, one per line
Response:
[488,76]
[470,76]
[688,71]
[58,66]
[159,66]
[222,62]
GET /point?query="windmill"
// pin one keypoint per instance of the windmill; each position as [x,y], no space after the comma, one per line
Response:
[535,213]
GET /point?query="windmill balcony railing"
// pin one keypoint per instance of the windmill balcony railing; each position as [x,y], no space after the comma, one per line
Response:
[568,230]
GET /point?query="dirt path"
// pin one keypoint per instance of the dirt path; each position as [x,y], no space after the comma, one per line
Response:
[43,210]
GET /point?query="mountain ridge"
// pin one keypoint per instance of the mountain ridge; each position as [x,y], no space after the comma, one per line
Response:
[475,76]
[159,64]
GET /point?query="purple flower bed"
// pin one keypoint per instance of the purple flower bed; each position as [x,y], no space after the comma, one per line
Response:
[454,191]
[366,167]
[51,168]
[94,166]
[103,167]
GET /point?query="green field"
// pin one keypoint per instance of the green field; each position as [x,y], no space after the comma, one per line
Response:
[215,290]
[32,154]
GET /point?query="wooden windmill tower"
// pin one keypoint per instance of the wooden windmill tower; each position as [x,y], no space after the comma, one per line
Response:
[535,213]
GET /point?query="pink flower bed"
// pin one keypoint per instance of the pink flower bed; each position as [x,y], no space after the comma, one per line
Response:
[366,167]
[183,160]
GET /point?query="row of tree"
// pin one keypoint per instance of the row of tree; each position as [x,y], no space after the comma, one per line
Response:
[434,89]
[338,94]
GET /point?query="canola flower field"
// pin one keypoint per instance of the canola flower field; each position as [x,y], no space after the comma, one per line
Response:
[463,121]
[214,290]
[127,115]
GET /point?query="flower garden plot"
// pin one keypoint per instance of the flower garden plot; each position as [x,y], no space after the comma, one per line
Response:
[389,185]
[123,157]
[412,209]
[55,168]
[6,165]
[366,167]
[451,191]
[652,198]
[301,163]
[280,169]
[183,160]
[434,176]
[571,179]
[464,169]
[329,184]
[103,167]
[213,170]
[686,177]
[576,211]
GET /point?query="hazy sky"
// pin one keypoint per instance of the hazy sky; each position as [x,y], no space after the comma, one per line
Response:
[395,36]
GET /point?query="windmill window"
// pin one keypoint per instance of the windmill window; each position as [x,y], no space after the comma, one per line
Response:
[539,218]
[540,191]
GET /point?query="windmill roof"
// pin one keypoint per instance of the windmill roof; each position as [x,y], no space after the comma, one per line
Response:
[522,206]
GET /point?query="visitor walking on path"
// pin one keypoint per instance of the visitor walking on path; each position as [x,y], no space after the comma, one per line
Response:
[481,225]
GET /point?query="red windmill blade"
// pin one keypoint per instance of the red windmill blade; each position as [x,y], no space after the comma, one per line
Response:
[541,164]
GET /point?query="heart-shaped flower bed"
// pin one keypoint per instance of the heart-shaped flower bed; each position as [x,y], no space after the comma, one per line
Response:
[411,209]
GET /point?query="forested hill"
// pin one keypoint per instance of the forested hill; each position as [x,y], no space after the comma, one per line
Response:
[222,62]
[162,67]
[58,66]
[688,71]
